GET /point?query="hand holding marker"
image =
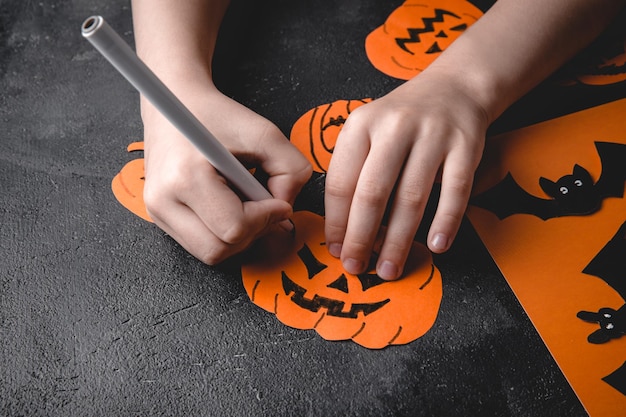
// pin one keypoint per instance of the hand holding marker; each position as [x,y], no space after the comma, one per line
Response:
[121,56]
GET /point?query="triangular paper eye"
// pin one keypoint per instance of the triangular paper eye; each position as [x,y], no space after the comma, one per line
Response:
[313,266]
[315,132]
[127,185]
[307,288]
[340,283]
[369,280]
[416,33]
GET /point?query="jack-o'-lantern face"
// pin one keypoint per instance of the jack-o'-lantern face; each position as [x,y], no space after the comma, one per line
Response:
[299,281]
[416,33]
[315,133]
[127,185]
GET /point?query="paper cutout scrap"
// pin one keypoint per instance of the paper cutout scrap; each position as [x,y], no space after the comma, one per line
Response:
[610,69]
[571,195]
[416,33]
[602,63]
[315,132]
[127,185]
[557,267]
[307,288]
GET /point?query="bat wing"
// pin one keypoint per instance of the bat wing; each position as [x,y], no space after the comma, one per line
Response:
[507,198]
[617,379]
[613,158]
[610,263]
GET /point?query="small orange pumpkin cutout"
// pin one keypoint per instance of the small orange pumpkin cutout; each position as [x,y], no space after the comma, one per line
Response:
[315,132]
[416,33]
[307,288]
[127,185]
[607,68]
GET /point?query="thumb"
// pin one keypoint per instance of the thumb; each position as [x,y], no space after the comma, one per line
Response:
[267,214]
[288,171]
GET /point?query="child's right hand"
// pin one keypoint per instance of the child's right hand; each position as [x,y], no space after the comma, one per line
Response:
[192,202]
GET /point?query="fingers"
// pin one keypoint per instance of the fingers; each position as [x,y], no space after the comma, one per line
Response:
[360,179]
[190,201]
[193,203]
[341,183]
[188,229]
[407,209]
[366,167]
[287,168]
[212,223]
[456,187]
[412,177]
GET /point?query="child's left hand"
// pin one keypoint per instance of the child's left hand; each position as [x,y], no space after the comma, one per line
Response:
[393,149]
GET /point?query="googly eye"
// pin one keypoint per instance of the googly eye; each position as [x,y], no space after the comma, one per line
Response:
[610,326]
[578,183]
[607,315]
[564,190]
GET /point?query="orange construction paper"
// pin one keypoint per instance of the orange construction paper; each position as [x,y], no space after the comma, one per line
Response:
[416,33]
[128,184]
[296,279]
[543,260]
[315,132]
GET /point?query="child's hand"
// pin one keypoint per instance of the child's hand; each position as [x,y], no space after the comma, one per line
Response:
[192,202]
[393,149]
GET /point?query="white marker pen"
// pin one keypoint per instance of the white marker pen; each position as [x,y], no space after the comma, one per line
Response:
[124,59]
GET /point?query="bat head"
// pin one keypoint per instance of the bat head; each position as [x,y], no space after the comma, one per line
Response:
[575,193]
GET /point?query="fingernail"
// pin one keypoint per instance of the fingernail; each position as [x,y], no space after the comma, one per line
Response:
[353,266]
[439,241]
[335,249]
[387,271]
[287,226]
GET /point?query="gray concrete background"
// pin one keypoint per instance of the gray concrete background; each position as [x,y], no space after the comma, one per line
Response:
[102,314]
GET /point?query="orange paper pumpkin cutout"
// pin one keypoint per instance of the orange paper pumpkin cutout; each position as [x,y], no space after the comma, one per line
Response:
[603,63]
[564,259]
[609,68]
[307,288]
[128,184]
[416,33]
[315,132]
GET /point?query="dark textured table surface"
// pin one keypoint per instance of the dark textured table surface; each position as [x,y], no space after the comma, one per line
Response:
[103,314]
